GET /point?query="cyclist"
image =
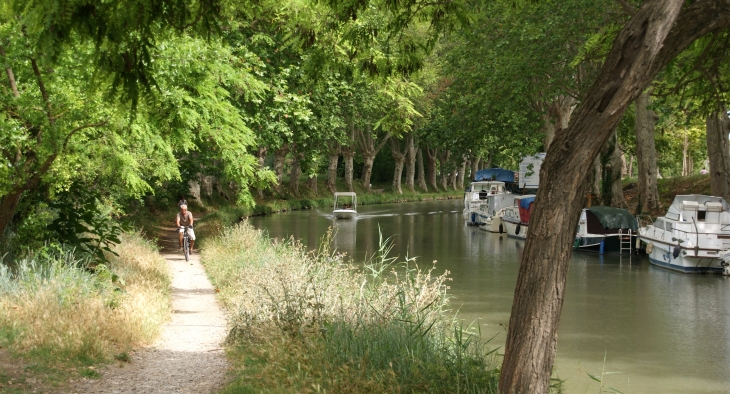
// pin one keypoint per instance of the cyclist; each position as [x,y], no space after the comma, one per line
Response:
[182,201]
[185,218]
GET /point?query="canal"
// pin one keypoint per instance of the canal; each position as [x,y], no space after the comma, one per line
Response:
[664,332]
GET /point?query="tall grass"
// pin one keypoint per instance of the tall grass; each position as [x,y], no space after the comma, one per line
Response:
[310,322]
[54,306]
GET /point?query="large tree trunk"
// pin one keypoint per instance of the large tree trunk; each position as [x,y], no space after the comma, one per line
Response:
[556,117]
[643,47]
[646,155]
[333,155]
[261,156]
[410,163]
[312,184]
[611,165]
[8,205]
[279,161]
[369,147]
[443,160]
[431,158]
[294,174]
[462,172]
[400,158]
[421,171]
[718,127]
[474,167]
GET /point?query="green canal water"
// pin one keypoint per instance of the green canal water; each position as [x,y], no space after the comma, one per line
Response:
[664,332]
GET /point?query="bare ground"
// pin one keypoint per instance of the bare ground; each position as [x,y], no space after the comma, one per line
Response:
[188,356]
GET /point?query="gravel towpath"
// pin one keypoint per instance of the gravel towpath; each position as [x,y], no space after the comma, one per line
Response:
[188,356]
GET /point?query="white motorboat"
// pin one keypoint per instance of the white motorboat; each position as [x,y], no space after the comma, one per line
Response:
[345,205]
[692,237]
[493,223]
[516,218]
[606,230]
[483,199]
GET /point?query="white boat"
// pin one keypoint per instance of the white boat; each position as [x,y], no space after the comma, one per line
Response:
[516,218]
[345,205]
[693,236]
[606,230]
[493,223]
[483,199]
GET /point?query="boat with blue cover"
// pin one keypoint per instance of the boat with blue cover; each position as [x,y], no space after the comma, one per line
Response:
[516,218]
[487,194]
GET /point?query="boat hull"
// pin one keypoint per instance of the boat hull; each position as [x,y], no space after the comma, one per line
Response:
[515,230]
[344,214]
[493,225]
[601,245]
[662,255]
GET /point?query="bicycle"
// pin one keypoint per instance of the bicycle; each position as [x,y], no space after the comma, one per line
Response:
[186,242]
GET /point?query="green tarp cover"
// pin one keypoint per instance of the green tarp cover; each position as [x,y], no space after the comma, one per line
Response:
[611,217]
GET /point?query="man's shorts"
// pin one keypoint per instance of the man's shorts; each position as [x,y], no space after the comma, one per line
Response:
[191,233]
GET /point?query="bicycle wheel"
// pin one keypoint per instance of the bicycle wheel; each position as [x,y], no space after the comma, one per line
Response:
[186,247]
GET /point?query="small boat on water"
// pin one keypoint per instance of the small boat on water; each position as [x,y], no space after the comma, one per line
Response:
[483,199]
[692,237]
[516,218]
[606,230]
[345,205]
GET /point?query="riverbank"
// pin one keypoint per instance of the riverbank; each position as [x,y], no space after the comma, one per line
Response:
[62,317]
[309,322]
[668,188]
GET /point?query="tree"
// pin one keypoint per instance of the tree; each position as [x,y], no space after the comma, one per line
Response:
[651,39]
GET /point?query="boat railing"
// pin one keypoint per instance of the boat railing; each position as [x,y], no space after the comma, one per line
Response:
[644,220]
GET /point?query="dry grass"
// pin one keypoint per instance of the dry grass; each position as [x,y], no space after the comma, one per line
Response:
[54,307]
[309,322]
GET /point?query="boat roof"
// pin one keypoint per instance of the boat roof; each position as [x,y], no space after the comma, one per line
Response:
[351,194]
[497,174]
[487,182]
[676,208]
[611,217]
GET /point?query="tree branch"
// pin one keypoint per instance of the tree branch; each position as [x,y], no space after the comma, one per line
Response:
[11,76]
[42,87]
[630,9]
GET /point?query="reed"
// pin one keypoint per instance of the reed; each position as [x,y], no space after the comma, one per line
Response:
[309,322]
[55,307]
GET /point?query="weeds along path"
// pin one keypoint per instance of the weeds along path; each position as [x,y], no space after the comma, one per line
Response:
[188,356]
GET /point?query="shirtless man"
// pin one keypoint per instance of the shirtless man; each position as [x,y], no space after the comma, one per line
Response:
[185,218]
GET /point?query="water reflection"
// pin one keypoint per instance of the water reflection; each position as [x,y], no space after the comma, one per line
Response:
[665,332]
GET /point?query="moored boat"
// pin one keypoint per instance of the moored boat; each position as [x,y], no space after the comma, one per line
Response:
[482,198]
[516,218]
[345,205]
[692,237]
[606,230]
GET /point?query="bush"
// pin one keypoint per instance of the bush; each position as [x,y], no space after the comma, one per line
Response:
[385,327]
[55,306]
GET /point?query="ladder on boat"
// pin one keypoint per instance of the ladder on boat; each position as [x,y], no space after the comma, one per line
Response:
[624,241]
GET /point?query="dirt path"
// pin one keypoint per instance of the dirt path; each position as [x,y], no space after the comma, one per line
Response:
[187,358]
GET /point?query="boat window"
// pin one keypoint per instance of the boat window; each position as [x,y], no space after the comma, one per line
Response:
[701,216]
[500,188]
[659,224]
[669,226]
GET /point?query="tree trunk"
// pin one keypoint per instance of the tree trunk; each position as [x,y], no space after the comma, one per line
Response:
[487,163]
[348,155]
[410,163]
[421,171]
[474,167]
[718,127]
[611,164]
[369,147]
[431,157]
[294,174]
[685,155]
[557,117]
[642,48]
[312,184]
[8,205]
[443,160]
[333,157]
[631,166]
[646,155]
[261,156]
[279,160]
[462,172]
[367,171]
[399,157]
